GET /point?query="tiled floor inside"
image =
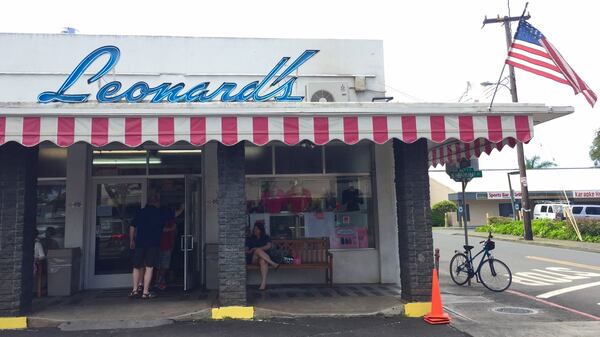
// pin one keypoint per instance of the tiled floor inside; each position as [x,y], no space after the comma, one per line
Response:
[323,291]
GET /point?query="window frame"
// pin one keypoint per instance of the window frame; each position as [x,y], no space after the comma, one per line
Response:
[324,148]
[371,174]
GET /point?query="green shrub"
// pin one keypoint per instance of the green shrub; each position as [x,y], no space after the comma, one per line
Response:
[588,227]
[438,210]
[546,228]
[498,220]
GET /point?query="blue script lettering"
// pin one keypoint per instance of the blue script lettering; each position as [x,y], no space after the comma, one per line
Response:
[271,87]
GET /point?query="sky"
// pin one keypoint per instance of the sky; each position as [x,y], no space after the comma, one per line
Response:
[432,48]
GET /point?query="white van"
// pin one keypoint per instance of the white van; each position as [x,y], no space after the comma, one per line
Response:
[548,211]
[591,212]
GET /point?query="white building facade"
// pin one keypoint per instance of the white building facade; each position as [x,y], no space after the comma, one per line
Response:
[239,131]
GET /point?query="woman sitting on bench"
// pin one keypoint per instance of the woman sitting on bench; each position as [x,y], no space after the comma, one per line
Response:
[257,246]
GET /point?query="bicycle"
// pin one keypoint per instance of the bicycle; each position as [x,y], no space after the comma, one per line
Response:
[491,272]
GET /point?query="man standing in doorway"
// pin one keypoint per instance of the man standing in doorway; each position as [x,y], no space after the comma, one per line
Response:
[145,233]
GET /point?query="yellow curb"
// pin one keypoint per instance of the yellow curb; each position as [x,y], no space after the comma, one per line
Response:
[234,312]
[417,309]
[9,323]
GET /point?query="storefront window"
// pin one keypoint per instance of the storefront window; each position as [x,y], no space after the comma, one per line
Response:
[139,162]
[52,162]
[175,161]
[120,162]
[338,204]
[259,159]
[342,158]
[51,196]
[50,217]
[337,207]
[303,158]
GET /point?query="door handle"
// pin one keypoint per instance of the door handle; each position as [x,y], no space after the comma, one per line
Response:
[187,243]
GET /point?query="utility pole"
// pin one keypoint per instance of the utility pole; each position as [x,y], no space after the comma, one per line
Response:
[528,233]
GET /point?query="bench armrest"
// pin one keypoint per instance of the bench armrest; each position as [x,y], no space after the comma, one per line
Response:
[329,258]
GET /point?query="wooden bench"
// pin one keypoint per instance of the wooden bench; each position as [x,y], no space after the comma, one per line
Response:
[314,254]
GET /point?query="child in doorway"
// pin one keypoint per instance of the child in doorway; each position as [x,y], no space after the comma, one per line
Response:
[166,248]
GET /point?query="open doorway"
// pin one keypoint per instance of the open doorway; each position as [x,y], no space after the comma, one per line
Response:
[117,201]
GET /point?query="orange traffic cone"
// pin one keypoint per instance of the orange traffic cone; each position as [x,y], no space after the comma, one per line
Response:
[437,314]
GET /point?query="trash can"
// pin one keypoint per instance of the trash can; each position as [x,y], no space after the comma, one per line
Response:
[63,271]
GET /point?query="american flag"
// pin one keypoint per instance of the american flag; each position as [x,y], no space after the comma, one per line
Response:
[531,51]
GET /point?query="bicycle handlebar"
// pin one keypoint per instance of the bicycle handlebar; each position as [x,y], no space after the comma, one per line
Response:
[490,236]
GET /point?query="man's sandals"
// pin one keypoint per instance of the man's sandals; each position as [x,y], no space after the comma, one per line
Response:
[148,296]
[134,294]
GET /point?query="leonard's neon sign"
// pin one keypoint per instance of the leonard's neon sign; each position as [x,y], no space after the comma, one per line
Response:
[271,87]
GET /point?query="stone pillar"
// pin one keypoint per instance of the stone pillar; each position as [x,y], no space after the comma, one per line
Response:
[415,241]
[231,203]
[18,185]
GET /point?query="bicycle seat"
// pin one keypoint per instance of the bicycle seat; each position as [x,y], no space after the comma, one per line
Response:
[468,247]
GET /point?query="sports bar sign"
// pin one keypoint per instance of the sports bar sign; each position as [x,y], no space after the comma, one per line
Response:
[502,195]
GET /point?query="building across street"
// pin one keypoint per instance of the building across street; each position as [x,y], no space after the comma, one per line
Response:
[490,195]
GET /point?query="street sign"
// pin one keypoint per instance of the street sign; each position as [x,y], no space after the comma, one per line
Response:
[464,171]
[465,174]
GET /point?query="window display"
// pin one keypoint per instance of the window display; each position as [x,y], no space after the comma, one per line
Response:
[338,207]
[50,219]
[287,191]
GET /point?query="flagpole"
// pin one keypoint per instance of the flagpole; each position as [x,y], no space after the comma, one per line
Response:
[527,230]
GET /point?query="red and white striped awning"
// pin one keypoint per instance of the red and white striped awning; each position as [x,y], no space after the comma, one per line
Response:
[473,133]
[455,151]
[197,130]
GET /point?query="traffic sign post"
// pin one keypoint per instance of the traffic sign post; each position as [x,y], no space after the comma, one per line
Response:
[464,172]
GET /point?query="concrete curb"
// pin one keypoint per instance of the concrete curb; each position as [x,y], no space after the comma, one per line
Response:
[84,325]
[204,314]
[43,322]
[540,242]
[233,312]
[13,323]
[263,313]
[193,316]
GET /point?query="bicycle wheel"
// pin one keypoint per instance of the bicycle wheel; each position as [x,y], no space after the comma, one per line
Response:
[459,269]
[495,275]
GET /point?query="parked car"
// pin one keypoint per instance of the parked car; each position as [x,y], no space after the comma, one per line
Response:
[548,211]
[590,212]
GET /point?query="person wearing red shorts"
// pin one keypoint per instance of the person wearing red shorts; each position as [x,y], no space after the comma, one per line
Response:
[166,248]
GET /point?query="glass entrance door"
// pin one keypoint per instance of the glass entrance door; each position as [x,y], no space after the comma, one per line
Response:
[116,204]
[191,239]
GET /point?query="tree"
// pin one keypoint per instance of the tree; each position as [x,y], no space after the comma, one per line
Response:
[535,162]
[595,149]
[438,210]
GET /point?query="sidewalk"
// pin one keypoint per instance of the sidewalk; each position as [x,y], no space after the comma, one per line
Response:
[323,301]
[576,245]
[111,309]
